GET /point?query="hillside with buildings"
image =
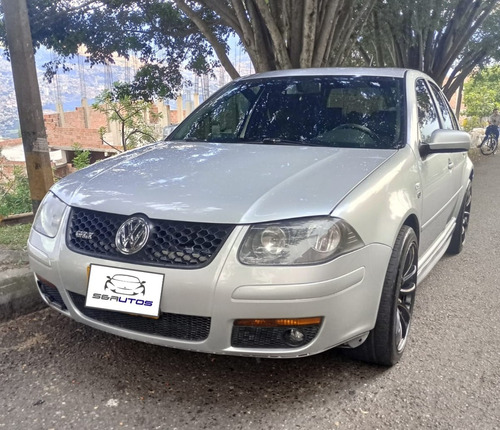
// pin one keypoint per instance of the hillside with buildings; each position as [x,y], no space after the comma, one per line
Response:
[71,123]
[83,81]
[68,87]
[8,118]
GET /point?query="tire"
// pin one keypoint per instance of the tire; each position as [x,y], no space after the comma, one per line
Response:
[460,231]
[386,342]
[489,146]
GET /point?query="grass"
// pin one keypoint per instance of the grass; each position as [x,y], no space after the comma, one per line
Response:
[14,236]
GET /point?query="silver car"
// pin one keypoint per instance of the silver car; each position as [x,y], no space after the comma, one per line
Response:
[293,212]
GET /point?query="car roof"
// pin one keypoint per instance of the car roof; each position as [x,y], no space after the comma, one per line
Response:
[332,71]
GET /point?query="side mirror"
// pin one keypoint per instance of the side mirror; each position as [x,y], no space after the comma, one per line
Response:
[444,141]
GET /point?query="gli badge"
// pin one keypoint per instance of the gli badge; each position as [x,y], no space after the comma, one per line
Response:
[132,235]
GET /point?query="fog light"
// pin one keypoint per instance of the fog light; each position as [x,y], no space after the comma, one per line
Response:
[45,282]
[293,337]
[275,333]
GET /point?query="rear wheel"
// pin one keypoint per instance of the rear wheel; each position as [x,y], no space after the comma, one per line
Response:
[458,237]
[387,341]
[489,146]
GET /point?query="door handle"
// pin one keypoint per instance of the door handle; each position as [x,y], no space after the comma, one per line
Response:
[450,164]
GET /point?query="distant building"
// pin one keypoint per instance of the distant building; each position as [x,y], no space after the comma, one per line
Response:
[80,127]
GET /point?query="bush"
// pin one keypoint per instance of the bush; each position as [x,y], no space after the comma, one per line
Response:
[81,158]
[472,122]
[15,197]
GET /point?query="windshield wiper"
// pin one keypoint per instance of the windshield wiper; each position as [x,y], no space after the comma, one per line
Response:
[192,139]
[276,141]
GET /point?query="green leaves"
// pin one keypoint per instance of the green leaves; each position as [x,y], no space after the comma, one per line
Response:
[482,92]
[155,31]
[15,195]
[121,106]
[81,158]
[446,39]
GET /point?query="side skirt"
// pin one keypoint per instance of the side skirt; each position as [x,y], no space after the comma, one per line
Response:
[428,260]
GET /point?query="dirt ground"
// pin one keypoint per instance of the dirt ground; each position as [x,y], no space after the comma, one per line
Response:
[12,259]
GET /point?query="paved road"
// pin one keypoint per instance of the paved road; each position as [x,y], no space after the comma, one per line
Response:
[57,374]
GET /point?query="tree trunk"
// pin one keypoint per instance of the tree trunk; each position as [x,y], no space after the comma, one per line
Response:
[210,36]
[29,103]
[284,34]
[430,36]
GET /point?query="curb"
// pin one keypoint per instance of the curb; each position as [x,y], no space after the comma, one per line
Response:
[18,294]
[17,219]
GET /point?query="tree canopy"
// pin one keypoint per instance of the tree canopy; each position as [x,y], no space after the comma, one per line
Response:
[155,31]
[287,34]
[482,92]
[445,38]
[169,34]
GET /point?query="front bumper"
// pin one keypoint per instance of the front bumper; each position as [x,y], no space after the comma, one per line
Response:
[200,306]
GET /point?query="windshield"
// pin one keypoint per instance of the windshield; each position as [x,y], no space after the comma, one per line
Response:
[337,111]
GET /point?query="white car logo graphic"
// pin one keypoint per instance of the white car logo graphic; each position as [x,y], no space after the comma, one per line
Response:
[125,285]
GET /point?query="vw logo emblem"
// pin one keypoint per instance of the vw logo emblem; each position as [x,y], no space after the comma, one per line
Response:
[132,235]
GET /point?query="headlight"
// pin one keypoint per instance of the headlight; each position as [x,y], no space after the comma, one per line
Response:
[49,215]
[298,242]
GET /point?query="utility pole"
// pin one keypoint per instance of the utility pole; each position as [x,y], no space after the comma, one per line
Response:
[29,104]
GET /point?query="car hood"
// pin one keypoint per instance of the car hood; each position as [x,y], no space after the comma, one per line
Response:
[222,183]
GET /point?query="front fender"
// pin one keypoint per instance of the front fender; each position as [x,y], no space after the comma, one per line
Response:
[385,200]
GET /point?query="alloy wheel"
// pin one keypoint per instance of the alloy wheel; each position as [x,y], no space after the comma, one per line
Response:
[406,299]
[466,213]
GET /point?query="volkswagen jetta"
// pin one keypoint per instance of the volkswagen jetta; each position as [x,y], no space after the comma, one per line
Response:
[292,212]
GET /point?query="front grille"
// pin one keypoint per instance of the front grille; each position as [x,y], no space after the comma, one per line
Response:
[170,244]
[52,295]
[269,337]
[176,326]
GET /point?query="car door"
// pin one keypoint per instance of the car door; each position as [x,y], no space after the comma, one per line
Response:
[448,121]
[436,170]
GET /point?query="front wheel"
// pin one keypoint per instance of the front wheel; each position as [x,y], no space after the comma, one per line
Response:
[387,341]
[489,146]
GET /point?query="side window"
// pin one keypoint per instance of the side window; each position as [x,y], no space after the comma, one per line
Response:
[428,120]
[449,121]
